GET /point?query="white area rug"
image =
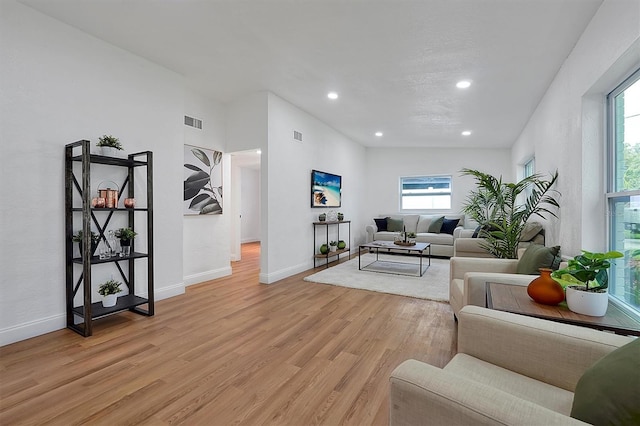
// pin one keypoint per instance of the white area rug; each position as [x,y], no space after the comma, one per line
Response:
[433,285]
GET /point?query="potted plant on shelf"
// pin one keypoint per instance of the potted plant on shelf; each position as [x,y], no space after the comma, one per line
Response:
[79,238]
[333,246]
[586,280]
[322,217]
[109,145]
[340,216]
[126,236]
[109,290]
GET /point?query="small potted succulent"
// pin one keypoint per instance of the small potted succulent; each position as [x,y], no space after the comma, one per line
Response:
[126,236]
[109,290]
[322,217]
[109,145]
[95,240]
[586,280]
[333,246]
[340,216]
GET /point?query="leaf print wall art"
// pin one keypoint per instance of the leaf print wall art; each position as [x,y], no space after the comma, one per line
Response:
[202,181]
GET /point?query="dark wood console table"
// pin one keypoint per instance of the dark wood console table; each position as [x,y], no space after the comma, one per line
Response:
[514,299]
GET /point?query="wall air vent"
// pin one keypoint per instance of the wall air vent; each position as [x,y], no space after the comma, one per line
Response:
[297,136]
[193,122]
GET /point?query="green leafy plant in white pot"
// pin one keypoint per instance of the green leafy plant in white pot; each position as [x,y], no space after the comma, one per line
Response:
[586,280]
[333,246]
[109,145]
[109,291]
[126,236]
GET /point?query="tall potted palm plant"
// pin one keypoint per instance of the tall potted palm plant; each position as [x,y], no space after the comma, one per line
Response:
[496,206]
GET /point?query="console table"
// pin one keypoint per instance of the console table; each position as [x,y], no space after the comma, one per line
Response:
[337,253]
[514,299]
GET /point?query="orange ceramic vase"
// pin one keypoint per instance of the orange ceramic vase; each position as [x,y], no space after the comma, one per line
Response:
[545,289]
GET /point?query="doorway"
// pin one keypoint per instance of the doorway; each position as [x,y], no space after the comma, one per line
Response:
[246,220]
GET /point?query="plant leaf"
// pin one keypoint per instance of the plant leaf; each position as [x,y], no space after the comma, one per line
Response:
[217,156]
[194,168]
[194,184]
[200,201]
[201,156]
[213,207]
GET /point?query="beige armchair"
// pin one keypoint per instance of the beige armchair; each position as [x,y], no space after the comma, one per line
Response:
[509,369]
[469,277]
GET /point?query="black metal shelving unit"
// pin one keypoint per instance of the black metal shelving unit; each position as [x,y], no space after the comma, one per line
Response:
[78,269]
[336,253]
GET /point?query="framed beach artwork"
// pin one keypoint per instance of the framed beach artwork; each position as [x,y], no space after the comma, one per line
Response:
[202,181]
[326,189]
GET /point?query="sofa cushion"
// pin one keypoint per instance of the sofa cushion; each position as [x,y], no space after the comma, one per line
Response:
[394,225]
[381,223]
[448,225]
[423,223]
[410,221]
[536,257]
[436,225]
[439,239]
[530,230]
[607,393]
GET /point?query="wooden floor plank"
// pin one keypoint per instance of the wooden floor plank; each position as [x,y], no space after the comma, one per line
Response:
[229,352]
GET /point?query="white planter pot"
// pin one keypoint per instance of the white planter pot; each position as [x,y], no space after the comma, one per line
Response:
[333,248]
[587,302]
[110,151]
[109,300]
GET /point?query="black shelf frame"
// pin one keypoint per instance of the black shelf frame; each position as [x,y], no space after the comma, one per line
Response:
[337,253]
[80,318]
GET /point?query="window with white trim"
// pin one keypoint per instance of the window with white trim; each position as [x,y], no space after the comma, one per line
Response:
[425,192]
[623,192]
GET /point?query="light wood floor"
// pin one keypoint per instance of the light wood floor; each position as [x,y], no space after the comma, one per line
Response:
[229,351]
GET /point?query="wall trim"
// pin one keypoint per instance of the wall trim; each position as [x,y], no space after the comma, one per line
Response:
[284,273]
[207,275]
[57,322]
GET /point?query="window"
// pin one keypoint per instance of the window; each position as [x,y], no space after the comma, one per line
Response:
[425,193]
[529,168]
[623,196]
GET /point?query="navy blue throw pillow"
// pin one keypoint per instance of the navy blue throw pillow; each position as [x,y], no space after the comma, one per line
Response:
[448,225]
[381,224]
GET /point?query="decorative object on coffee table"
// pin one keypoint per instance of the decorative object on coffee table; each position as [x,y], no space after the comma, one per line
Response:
[586,280]
[545,289]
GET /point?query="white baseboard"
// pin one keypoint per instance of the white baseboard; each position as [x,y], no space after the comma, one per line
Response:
[33,328]
[56,322]
[284,273]
[207,275]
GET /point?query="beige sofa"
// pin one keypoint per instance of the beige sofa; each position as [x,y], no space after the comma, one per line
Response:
[441,244]
[466,246]
[510,369]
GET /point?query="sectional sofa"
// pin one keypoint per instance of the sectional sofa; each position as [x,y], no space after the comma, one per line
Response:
[425,227]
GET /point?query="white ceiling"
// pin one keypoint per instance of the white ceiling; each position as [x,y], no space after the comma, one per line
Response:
[394,63]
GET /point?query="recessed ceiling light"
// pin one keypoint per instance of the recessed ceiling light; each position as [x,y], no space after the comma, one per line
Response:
[378,134]
[332,95]
[466,133]
[463,84]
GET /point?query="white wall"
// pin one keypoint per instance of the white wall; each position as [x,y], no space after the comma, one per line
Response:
[385,166]
[206,238]
[287,200]
[250,204]
[59,85]
[566,132]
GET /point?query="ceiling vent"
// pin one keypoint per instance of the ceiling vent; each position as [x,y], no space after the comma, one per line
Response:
[297,136]
[193,122]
